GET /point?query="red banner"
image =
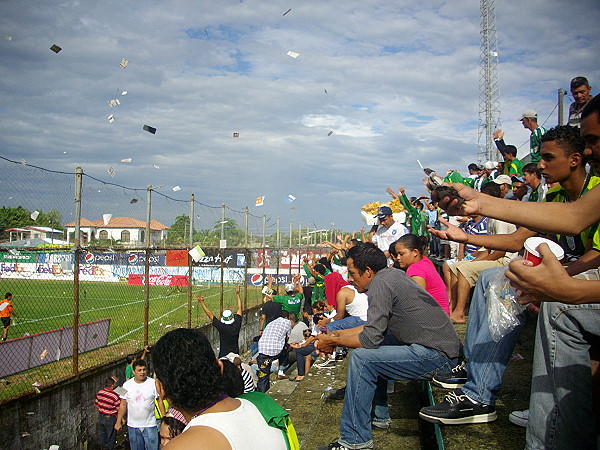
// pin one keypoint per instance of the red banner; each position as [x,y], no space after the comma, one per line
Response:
[159,280]
[177,258]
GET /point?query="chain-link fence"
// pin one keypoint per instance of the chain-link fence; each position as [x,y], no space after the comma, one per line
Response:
[87,290]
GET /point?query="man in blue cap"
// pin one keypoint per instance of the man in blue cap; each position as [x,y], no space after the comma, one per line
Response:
[387,231]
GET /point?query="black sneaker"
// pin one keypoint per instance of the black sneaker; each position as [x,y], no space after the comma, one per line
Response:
[457,409]
[337,394]
[337,446]
[454,379]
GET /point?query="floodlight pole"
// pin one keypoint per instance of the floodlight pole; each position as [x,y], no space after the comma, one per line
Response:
[222,221]
[278,234]
[291,229]
[246,227]
[264,230]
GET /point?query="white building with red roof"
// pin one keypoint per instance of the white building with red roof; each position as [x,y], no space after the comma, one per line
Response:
[125,230]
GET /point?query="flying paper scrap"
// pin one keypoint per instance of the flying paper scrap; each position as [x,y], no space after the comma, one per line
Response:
[111,118]
[236,135]
[176,188]
[293,54]
[133,200]
[287,11]
[260,201]
[290,198]
[7,38]
[120,391]
[197,253]
[106,218]
[55,48]
[330,133]
[34,215]
[114,102]
[124,63]
[43,354]
[111,171]
[124,93]
[126,160]
[155,166]
[150,129]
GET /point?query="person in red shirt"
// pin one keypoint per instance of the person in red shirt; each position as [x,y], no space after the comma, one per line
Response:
[107,403]
[6,310]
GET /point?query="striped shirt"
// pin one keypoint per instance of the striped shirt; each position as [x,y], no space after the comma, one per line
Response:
[475,228]
[248,383]
[107,402]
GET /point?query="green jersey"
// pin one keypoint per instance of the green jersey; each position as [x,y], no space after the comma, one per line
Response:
[291,304]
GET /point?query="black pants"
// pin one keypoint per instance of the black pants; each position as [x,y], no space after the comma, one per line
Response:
[264,368]
[107,434]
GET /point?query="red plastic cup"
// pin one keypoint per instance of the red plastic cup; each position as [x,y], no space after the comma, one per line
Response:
[531,253]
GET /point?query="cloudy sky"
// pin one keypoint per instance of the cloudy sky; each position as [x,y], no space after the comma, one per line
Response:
[394,81]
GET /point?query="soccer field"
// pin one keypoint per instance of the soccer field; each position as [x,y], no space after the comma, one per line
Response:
[48,305]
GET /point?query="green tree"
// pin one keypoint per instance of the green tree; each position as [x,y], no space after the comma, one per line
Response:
[179,231]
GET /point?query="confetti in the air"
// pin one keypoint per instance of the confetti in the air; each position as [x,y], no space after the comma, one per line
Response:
[124,93]
[55,48]
[111,171]
[124,63]
[150,129]
[287,11]
[176,188]
[155,166]
[111,118]
[133,200]
[106,218]
[293,54]
[115,102]
[330,133]
[34,215]
[236,135]
[126,160]
[260,201]
[7,38]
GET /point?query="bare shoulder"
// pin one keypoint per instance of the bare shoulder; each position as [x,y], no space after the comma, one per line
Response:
[200,438]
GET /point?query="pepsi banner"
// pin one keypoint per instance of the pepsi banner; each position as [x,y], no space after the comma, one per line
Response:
[125,259]
[139,259]
[100,258]
[257,279]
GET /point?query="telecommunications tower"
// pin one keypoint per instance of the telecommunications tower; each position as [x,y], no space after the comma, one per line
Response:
[489,95]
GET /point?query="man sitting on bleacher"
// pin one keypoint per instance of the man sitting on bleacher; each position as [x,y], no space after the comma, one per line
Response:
[407,336]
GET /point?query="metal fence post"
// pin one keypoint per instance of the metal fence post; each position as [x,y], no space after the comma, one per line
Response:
[77,242]
[147,264]
[190,262]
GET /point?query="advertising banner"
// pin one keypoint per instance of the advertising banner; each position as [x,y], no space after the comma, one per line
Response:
[158,280]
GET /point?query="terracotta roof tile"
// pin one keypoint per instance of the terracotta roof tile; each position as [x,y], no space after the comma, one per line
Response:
[119,222]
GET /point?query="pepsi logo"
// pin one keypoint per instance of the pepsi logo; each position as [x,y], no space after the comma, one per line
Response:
[132,258]
[256,279]
[89,258]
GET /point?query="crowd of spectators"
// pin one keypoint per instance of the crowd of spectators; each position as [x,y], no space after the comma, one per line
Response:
[390,298]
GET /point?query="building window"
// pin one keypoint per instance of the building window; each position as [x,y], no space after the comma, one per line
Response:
[124,236]
[103,235]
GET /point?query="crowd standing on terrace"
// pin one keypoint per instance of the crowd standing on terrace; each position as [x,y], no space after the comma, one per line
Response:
[390,298]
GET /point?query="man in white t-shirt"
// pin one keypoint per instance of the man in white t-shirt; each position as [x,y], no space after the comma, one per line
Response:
[138,402]
[387,231]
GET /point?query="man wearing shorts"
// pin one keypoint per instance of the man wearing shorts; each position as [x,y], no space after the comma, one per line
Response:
[6,310]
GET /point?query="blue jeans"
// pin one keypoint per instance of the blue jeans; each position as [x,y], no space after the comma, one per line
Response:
[301,354]
[560,407]
[486,358]
[143,438]
[345,323]
[366,388]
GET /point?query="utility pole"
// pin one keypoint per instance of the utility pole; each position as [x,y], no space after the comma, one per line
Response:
[246,227]
[291,229]
[561,96]
[264,230]
[278,234]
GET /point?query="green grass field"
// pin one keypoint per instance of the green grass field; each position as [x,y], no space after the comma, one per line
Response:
[48,305]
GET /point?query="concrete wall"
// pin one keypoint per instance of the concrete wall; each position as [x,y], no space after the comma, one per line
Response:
[64,414]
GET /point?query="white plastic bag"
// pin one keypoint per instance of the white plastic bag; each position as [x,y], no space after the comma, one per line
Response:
[503,307]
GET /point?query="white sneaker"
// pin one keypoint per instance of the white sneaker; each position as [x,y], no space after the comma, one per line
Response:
[519,418]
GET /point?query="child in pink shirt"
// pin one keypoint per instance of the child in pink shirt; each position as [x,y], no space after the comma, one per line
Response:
[409,250]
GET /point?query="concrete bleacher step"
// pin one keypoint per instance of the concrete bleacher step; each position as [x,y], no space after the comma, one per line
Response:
[317,418]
